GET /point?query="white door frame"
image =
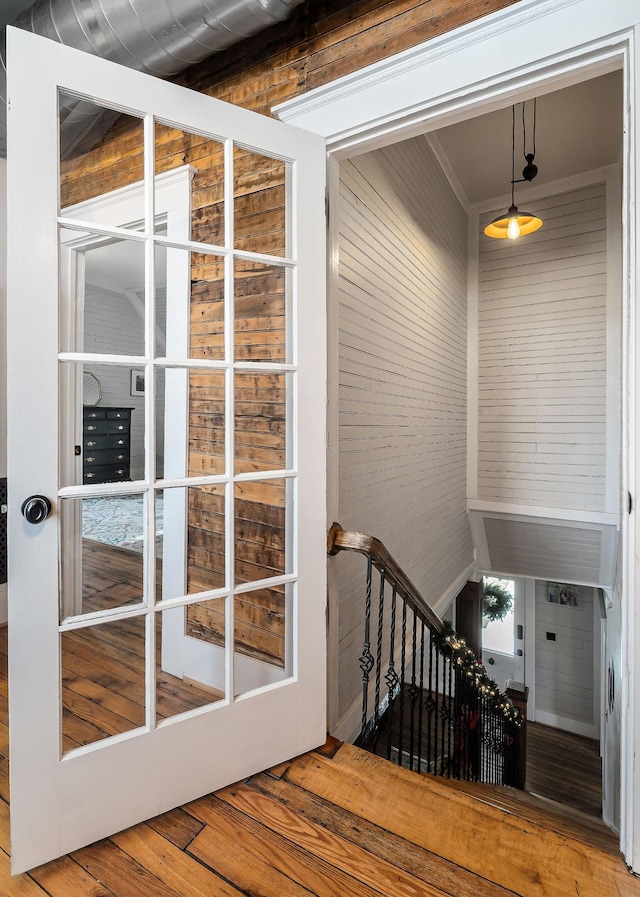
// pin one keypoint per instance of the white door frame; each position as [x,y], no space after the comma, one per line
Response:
[530,48]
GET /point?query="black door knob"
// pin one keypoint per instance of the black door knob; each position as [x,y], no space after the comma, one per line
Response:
[36,508]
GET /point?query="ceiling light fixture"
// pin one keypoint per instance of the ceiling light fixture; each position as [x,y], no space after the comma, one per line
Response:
[515,223]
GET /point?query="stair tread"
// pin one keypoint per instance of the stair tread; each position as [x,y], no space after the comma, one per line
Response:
[556,816]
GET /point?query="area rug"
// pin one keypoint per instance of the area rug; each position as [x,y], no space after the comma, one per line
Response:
[117,520]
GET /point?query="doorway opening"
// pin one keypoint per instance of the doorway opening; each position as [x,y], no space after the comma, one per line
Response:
[513,347]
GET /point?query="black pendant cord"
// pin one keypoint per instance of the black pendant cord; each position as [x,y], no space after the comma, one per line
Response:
[524,128]
[513,155]
[530,170]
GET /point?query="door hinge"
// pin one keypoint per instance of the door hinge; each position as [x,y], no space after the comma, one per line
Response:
[326,209]
[629,503]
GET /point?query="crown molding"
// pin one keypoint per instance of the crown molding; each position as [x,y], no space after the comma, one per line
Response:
[485,28]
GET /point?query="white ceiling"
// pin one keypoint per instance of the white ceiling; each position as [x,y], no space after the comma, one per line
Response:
[579,129]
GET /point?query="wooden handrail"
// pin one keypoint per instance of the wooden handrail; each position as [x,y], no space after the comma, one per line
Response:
[339,539]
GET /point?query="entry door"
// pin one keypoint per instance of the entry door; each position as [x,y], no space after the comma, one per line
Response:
[503,641]
[166,446]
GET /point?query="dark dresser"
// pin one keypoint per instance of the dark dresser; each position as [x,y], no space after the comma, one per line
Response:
[106,444]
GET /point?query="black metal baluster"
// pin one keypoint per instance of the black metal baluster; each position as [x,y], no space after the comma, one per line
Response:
[492,755]
[379,650]
[484,736]
[443,716]
[403,662]
[498,745]
[436,717]
[486,746]
[366,658]
[413,690]
[473,735]
[494,741]
[462,723]
[391,677]
[429,705]
[451,723]
[421,694]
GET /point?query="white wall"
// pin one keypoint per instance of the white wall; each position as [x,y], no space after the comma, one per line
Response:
[564,673]
[402,379]
[542,358]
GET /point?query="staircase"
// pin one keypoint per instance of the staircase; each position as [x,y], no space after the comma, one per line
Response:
[428,704]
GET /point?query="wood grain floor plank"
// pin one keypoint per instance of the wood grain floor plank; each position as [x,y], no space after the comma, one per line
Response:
[4,778]
[19,885]
[177,827]
[548,751]
[422,865]
[464,831]
[171,865]
[343,854]
[558,817]
[260,858]
[120,873]
[65,878]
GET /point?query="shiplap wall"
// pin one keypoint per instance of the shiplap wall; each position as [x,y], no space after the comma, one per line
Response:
[402,380]
[542,357]
[564,667]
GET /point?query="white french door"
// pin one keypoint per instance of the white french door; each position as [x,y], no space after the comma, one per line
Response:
[166,373]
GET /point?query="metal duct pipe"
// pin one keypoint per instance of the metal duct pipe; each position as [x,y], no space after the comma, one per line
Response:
[160,38]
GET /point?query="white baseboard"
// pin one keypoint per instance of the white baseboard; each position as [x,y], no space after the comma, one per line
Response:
[576,727]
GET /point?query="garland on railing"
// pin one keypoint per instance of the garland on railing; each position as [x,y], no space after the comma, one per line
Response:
[455,648]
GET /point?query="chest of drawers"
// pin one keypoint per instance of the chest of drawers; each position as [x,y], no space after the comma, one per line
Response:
[106,444]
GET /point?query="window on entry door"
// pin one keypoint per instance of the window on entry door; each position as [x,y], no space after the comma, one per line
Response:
[498,633]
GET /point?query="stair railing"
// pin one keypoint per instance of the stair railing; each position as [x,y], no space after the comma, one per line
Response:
[427,702]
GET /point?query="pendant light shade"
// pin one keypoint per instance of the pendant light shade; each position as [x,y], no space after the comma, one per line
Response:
[514,223]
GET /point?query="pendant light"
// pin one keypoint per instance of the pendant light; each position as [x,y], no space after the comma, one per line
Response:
[515,223]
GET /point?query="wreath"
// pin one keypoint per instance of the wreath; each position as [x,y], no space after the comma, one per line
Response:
[496,602]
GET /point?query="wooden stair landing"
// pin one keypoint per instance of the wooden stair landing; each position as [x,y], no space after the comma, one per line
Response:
[550,814]
[335,821]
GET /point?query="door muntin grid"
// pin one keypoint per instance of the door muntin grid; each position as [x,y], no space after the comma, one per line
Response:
[250,298]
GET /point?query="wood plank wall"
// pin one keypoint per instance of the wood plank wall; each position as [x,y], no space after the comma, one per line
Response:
[403,377]
[542,348]
[321,41]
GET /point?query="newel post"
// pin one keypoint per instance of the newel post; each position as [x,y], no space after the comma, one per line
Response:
[519,693]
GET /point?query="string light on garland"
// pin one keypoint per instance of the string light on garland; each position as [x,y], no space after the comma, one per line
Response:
[450,645]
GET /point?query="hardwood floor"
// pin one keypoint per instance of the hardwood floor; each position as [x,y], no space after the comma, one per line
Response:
[335,821]
[565,768]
